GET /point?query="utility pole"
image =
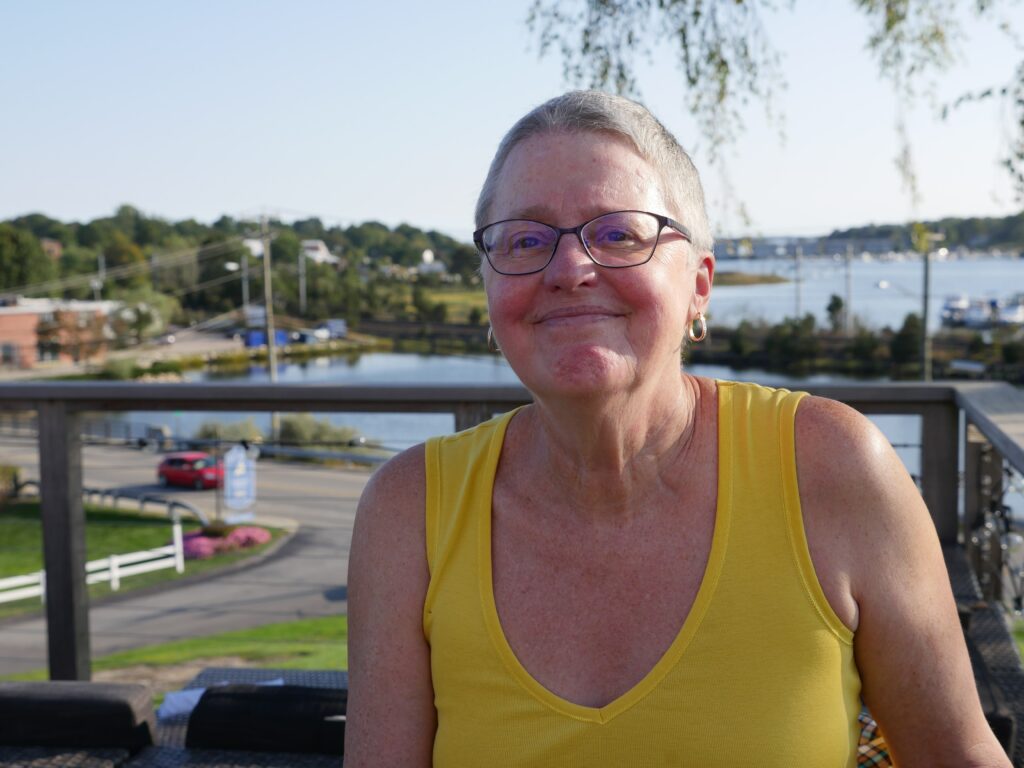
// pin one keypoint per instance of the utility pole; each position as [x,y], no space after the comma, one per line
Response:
[848,310]
[245,284]
[799,281]
[101,278]
[926,342]
[268,316]
[302,282]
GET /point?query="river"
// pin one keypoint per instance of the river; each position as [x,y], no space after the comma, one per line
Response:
[873,306]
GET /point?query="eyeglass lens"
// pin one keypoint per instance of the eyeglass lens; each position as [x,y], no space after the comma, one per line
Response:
[620,239]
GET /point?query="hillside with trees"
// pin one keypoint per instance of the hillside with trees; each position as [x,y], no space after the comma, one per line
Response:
[187,271]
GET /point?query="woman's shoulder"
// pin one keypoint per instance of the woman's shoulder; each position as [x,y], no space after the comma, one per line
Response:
[836,441]
[859,503]
[397,489]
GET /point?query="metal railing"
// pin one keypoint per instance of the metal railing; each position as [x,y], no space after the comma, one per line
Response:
[994,411]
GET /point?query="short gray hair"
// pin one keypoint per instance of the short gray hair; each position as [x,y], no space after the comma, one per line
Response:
[599,112]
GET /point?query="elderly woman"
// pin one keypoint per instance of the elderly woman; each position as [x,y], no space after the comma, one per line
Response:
[643,567]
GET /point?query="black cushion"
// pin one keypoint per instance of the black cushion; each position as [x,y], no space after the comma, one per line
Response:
[269,718]
[62,713]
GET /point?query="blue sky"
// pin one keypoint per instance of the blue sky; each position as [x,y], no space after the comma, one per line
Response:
[391,111]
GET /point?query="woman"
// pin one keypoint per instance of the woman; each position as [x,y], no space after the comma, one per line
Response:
[642,567]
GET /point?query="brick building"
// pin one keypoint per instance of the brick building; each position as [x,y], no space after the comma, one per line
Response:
[33,330]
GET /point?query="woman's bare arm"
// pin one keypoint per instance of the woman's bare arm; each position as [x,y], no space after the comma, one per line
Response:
[872,535]
[391,716]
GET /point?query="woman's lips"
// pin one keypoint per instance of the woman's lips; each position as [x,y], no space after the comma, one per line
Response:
[574,315]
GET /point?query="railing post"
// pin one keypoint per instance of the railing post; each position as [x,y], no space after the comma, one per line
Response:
[114,566]
[940,427]
[63,516]
[983,478]
[179,545]
[470,414]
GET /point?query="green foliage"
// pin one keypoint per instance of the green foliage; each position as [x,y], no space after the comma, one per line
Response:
[905,348]
[22,261]
[304,430]
[119,369]
[867,351]
[232,432]
[740,342]
[721,47]
[727,59]
[158,367]
[43,226]
[793,345]
[1013,352]
[125,260]
[836,312]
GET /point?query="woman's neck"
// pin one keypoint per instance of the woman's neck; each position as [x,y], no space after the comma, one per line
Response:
[606,456]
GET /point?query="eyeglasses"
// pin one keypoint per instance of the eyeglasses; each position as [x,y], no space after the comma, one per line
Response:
[614,240]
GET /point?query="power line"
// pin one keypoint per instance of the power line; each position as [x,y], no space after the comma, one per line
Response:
[165,261]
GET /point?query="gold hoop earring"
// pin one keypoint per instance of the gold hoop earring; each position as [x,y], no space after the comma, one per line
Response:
[702,324]
[492,345]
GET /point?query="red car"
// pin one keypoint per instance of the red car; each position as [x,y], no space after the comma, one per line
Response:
[192,469]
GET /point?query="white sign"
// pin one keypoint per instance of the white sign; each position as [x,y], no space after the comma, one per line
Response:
[239,479]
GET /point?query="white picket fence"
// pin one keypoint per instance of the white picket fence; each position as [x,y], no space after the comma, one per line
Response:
[112,569]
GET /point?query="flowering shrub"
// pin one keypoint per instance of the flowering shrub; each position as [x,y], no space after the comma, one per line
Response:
[199,545]
[249,536]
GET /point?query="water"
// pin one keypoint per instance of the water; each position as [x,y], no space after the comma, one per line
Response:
[821,278]
[402,430]
[874,307]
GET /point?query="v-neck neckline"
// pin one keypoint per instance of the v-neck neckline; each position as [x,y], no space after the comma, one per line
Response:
[676,649]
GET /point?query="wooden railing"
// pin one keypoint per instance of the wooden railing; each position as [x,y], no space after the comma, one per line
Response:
[994,411]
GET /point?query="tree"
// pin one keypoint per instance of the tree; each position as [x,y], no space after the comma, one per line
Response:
[727,59]
[905,347]
[125,258]
[836,313]
[792,345]
[22,261]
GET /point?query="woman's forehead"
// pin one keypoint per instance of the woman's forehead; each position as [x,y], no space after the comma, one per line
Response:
[561,172]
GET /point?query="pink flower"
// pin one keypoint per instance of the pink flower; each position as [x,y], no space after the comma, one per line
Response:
[248,536]
[199,547]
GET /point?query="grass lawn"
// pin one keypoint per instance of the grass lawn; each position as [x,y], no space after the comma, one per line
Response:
[1018,635]
[107,532]
[320,643]
[460,301]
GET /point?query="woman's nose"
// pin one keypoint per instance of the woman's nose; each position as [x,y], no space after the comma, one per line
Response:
[571,265]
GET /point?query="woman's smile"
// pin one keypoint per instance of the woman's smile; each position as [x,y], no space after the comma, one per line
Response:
[576,315]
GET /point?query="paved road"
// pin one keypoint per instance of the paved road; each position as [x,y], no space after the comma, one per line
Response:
[307,578]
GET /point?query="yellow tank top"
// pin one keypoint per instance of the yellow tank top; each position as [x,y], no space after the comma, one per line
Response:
[761,673]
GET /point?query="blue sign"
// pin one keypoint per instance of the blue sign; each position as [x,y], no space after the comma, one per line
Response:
[239,479]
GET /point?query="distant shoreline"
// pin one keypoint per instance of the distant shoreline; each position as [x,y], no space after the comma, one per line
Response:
[746,278]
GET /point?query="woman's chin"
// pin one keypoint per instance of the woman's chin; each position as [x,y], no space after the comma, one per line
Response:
[579,371]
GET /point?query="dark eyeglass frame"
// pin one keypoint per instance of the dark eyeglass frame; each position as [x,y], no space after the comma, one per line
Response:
[663,221]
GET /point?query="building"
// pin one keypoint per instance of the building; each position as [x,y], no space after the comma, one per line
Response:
[316,251]
[34,330]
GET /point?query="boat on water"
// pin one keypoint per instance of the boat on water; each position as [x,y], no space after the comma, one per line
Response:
[961,311]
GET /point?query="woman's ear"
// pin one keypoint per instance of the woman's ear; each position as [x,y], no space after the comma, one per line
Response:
[704,278]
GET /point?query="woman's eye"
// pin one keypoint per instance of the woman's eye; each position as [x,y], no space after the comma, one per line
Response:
[525,243]
[617,237]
